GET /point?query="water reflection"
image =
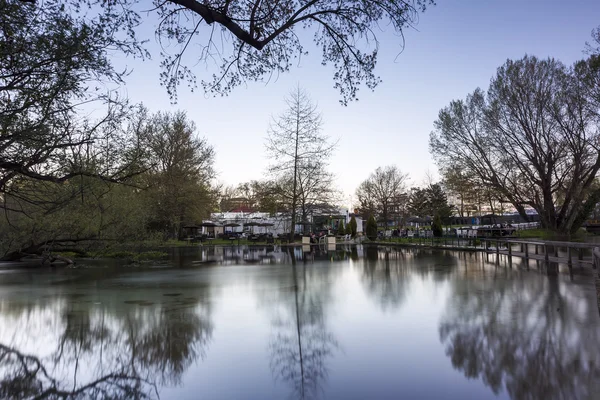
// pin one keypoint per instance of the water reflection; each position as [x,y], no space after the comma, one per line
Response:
[302,323]
[256,254]
[534,338]
[76,347]
[387,271]
[301,344]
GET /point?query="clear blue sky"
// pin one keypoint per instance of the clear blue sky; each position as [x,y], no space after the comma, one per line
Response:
[455,48]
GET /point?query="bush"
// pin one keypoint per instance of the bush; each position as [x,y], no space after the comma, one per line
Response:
[349,228]
[372,228]
[341,230]
[353,226]
[436,226]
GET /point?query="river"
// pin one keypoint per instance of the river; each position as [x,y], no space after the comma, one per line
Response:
[267,323]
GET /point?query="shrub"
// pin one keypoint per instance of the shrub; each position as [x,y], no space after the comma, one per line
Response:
[372,228]
[353,226]
[349,228]
[436,226]
[341,230]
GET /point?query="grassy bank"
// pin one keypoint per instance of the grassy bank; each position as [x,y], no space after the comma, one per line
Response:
[131,256]
[545,234]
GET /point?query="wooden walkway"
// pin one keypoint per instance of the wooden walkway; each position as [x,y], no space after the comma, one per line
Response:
[551,253]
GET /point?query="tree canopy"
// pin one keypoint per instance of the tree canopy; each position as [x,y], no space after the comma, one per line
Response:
[52,65]
[383,192]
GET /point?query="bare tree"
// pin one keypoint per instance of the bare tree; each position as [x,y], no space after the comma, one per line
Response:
[383,191]
[533,139]
[317,188]
[226,196]
[254,40]
[594,47]
[300,153]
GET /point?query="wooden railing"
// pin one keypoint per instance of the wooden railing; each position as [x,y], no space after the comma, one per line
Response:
[547,251]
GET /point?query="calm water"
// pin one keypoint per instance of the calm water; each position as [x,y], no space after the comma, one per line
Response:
[354,323]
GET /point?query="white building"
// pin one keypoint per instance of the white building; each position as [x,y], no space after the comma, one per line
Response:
[278,224]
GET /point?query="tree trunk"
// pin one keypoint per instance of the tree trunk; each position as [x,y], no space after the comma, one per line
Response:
[295,187]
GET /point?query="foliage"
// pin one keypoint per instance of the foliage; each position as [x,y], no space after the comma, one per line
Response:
[383,193]
[417,203]
[256,195]
[353,226]
[436,226]
[91,212]
[52,64]
[437,202]
[429,202]
[341,229]
[178,180]
[299,151]
[371,228]
[348,230]
[547,115]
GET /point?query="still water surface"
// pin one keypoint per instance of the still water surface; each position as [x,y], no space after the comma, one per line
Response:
[261,323]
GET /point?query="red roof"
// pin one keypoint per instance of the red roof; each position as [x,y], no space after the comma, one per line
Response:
[243,209]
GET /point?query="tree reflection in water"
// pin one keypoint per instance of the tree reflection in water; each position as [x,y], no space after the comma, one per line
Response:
[100,352]
[529,335]
[301,344]
[387,271]
[385,276]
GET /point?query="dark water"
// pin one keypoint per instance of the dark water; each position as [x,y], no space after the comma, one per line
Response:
[353,323]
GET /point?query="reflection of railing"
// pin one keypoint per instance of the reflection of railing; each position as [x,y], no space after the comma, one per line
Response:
[596,261]
[547,251]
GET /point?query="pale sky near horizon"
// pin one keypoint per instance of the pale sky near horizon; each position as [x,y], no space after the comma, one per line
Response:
[456,47]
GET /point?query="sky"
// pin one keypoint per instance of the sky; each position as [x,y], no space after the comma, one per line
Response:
[455,48]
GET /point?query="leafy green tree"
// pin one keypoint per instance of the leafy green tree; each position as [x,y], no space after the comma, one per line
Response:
[57,164]
[181,168]
[353,226]
[371,228]
[429,202]
[93,213]
[417,203]
[50,63]
[437,202]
